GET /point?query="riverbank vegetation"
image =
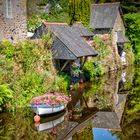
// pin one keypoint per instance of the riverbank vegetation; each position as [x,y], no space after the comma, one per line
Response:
[27,70]
[133,32]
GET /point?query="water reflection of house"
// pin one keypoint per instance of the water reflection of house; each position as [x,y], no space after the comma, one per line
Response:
[106,120]
[111,120]
[68,44]
[107,19]
[120,106]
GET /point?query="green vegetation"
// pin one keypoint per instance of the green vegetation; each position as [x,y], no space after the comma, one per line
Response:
[101,48]
[100,93]
[79,10]
[134,96]
[28,70]
[6,94]
[58,12]
[94,67]
[85,134]
[27,67]
[133,32]
[19,125]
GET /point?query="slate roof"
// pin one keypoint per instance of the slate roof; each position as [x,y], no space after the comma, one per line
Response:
[103,15]
[121,38]
[81,30]
[68,43]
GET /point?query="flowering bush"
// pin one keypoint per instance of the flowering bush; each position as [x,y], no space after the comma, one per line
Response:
[50,99]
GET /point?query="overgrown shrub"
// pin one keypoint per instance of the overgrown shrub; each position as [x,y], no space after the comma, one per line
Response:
[6,94]
[28,68]
[92,69]
[100,47]
[133,32]
[58,12]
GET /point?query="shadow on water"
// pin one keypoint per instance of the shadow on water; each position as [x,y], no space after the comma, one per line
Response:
[105,109]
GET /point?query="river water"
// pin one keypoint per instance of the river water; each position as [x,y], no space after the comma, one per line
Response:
[107,108]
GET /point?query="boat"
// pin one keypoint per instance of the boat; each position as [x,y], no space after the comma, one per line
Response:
[42,110]
[50,122]
[49,103]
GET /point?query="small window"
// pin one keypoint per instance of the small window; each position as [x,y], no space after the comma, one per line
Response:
[9,13]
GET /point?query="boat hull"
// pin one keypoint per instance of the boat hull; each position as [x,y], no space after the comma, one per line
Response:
[44,110]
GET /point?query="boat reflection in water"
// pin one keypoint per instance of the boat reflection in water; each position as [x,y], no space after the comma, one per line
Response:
[50,122]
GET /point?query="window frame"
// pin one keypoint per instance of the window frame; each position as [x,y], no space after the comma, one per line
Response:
[9,9]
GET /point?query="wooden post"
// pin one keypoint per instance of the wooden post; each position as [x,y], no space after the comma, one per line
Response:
[84,62]
[65,64]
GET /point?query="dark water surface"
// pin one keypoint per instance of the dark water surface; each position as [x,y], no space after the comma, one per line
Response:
[105,109]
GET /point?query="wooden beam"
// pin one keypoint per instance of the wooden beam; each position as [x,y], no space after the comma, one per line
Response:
[84,61]
[65,64]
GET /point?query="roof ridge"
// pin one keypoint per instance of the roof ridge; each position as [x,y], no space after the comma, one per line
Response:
[111,3]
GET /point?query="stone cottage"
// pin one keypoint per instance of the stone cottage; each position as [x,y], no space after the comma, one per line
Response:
[107,19]
[13,23]
[69,43]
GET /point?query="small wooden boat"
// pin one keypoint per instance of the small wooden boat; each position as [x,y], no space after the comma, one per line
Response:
[42,110]
[50,122]
[49,103]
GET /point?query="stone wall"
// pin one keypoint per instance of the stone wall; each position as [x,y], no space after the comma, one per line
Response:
[14,28]
[118,26]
